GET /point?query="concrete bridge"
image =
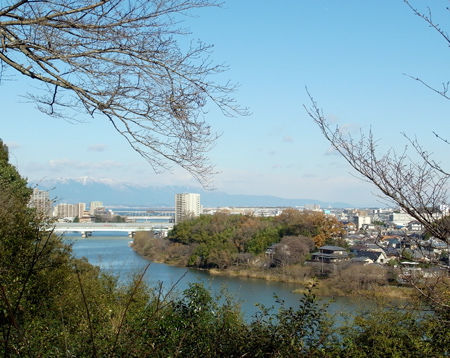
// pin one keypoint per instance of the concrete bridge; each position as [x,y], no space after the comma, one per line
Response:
[86,229]
[131,218]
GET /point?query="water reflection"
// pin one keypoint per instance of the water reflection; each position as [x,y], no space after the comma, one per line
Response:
[113,255]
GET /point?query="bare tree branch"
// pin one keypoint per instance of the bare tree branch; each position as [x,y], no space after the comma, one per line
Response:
[123,61]
[418,187]
[427,17]
[426,156]
[442,92]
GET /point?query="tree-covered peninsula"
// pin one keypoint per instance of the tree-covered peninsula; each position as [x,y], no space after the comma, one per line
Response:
[272,248]
[55,305]
[223,240]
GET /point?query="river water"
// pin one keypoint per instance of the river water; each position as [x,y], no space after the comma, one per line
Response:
[113,255]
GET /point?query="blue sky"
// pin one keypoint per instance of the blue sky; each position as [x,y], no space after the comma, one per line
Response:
[352,56]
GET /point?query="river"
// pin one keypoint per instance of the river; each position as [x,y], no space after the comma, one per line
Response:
[113,255]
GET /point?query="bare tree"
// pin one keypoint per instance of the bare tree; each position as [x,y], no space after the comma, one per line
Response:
[415,182]
[292,250]
[122,60]
[412,180]
[416,186]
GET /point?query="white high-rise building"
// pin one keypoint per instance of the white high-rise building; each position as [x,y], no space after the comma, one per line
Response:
[361,220]
[94,205]
[40,199]
[65,210]
[79,209]
[69,210]
[187,205]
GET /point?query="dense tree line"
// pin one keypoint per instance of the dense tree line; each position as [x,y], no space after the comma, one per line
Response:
[222,240]
[54,305]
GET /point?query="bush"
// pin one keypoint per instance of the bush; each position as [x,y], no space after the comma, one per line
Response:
[53,305]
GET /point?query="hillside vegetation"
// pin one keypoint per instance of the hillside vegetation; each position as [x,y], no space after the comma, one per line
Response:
[54,305]
[222,240]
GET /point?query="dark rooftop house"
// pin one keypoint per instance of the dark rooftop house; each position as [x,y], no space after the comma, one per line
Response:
[393,252]
[330,254]
[375,256]
[365,247]
[393,242]
[362,260]
[332,249]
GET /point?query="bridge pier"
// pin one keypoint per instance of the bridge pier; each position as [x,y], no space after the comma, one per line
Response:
[86,234]
[131,234]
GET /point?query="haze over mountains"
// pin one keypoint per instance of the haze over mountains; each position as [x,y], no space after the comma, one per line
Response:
[119,194]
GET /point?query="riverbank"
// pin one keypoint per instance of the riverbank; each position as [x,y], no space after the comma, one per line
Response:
[324,287]
[351,281]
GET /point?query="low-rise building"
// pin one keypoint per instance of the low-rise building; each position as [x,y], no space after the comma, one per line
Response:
[400,218]
[378,257]
[330,254]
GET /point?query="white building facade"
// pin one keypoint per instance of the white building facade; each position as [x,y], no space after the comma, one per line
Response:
[80,208]
[40,199]
[362,220]
[95,205]
[401,218]
[187,205]
[64,210]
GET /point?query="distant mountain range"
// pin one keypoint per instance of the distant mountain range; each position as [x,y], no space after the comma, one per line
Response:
[113,195]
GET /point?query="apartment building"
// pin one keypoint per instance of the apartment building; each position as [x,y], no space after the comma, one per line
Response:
[186,205]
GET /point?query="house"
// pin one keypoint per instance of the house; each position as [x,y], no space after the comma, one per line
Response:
[271,250]
[362,260]
[350,227]
[365,247]
[330,254]
[415,226]
[392,253]
[378,257]
[435,245]
[393,242]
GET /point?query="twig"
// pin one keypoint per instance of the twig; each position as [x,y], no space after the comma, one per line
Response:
[122,319]
[91,331]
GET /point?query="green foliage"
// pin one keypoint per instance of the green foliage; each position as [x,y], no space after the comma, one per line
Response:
[262,240]
[305,331]
[33,261]
[12,185]
[118,219]
[53,305]
[379,223]
[4,154]
[406,254]
[219,240]
[389,333]
[107,218]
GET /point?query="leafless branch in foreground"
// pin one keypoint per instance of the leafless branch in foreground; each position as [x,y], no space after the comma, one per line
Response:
[418,187]
[126,61]
[428,18]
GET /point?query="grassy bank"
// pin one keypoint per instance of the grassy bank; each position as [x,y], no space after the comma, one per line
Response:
[370,281]
[325,287]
